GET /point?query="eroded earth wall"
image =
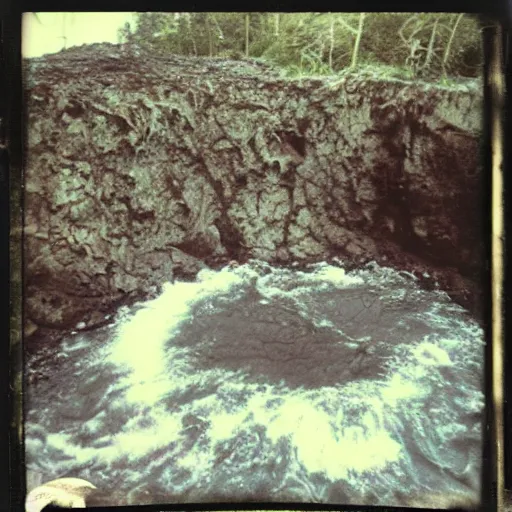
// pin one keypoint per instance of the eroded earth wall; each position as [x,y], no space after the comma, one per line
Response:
[140,168]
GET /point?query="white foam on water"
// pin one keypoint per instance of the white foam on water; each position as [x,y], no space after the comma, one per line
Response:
[334,275]
[334,449]
[130,443]
[432,355]
[341,431]
[141,338]
[398,388]
[326,442]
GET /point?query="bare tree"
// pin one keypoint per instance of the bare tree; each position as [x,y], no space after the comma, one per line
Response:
[209,32]
[448,48]
[357,32]
[422,58]
[331,41]
[358,40]
[247,19]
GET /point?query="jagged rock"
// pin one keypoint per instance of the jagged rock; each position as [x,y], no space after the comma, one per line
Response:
[142,168]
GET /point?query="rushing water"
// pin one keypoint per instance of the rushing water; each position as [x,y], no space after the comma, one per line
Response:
[269,384]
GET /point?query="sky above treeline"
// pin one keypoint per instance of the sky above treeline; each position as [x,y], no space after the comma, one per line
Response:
[50,32]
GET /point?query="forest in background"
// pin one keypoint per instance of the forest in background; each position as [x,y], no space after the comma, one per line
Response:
[430,46]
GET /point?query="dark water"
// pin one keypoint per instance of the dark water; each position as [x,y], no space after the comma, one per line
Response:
[271,385]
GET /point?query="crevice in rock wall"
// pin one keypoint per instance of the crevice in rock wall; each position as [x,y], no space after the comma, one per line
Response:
[142,169]
[229,235]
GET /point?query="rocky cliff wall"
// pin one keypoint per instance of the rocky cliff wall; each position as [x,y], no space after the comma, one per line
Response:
[142,167]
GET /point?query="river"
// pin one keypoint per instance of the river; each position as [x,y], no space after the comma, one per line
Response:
[260,383]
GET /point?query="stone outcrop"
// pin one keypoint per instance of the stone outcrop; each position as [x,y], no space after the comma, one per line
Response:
[140,168]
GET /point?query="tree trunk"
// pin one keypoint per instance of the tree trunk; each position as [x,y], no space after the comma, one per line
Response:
[247,20]
[446,55]
[358,40]
[209,32]
[331,41]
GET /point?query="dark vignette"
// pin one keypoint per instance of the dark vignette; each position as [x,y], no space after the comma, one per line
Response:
[13,183]
[12,49]
[489,470]
[507,301]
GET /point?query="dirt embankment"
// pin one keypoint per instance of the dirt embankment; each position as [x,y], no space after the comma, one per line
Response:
[142,167]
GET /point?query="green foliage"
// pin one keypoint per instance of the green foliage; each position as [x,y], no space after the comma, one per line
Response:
[407,45]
